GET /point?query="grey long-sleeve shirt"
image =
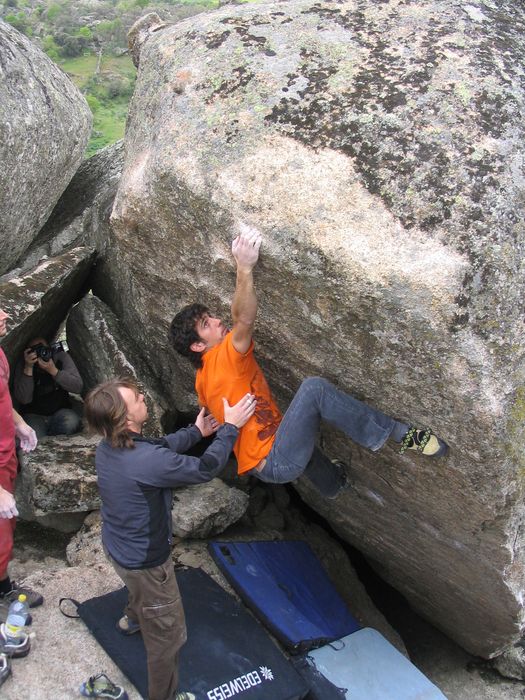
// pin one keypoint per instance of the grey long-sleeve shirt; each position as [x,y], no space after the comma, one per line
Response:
[135,487]
[68,378]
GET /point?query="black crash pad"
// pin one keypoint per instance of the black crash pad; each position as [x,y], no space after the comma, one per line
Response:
[228,653]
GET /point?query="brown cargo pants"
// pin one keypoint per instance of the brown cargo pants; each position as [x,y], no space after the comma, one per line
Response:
[154,602]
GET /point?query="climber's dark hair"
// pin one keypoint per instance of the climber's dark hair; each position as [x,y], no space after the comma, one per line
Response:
[183,333]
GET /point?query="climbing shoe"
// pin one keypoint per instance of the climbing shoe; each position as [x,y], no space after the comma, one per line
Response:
[14,647]
[33,598]
[127,626]
[100,686]
[327,476]
[5,668]
[341,475]
[424,441]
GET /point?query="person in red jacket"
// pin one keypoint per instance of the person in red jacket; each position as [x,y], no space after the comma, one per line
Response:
[12,426]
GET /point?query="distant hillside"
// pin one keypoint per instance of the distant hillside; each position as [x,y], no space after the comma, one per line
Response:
[87,39]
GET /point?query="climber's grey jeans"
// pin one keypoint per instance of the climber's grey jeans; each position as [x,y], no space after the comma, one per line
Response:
[316,400]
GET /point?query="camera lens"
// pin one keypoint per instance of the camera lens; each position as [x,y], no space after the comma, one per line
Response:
[44,353]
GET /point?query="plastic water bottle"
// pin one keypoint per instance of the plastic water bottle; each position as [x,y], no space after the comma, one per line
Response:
[17,617]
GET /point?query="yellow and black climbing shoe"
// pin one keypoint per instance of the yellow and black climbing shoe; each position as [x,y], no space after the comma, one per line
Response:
[423,440]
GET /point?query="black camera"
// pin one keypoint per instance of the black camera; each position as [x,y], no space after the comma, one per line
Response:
[46,352]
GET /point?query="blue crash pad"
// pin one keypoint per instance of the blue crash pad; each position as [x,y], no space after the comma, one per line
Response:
[284,584]
[368,667]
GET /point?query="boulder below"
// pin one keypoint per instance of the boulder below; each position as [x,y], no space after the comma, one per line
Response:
[58,480]
[38,299]
[102,349]
[206,510]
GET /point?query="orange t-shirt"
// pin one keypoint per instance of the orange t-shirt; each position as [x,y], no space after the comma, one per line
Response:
[229,374]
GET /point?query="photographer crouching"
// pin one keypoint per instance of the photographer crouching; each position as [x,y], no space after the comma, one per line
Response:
[43,379]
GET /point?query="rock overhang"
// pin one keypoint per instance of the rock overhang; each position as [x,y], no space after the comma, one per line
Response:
[352,135]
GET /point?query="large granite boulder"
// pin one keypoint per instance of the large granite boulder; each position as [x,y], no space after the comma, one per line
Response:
[81,216]
[45,123]
[379,147]
[39,299]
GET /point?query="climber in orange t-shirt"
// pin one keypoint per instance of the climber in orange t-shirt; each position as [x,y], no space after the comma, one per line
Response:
[227,374]
[271,447]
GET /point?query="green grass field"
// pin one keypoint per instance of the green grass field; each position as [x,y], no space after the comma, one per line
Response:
[107,93]
[62,29]
[108,87]
[82,68]
[108,127]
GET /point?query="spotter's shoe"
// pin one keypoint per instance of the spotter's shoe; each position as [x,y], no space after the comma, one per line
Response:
[100,686]
[5,668]
[127,626]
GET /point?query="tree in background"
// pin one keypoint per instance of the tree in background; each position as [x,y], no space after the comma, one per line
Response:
[89,41]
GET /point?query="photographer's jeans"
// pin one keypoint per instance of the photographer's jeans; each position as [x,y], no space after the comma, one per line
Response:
[63,422]
[294,445]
